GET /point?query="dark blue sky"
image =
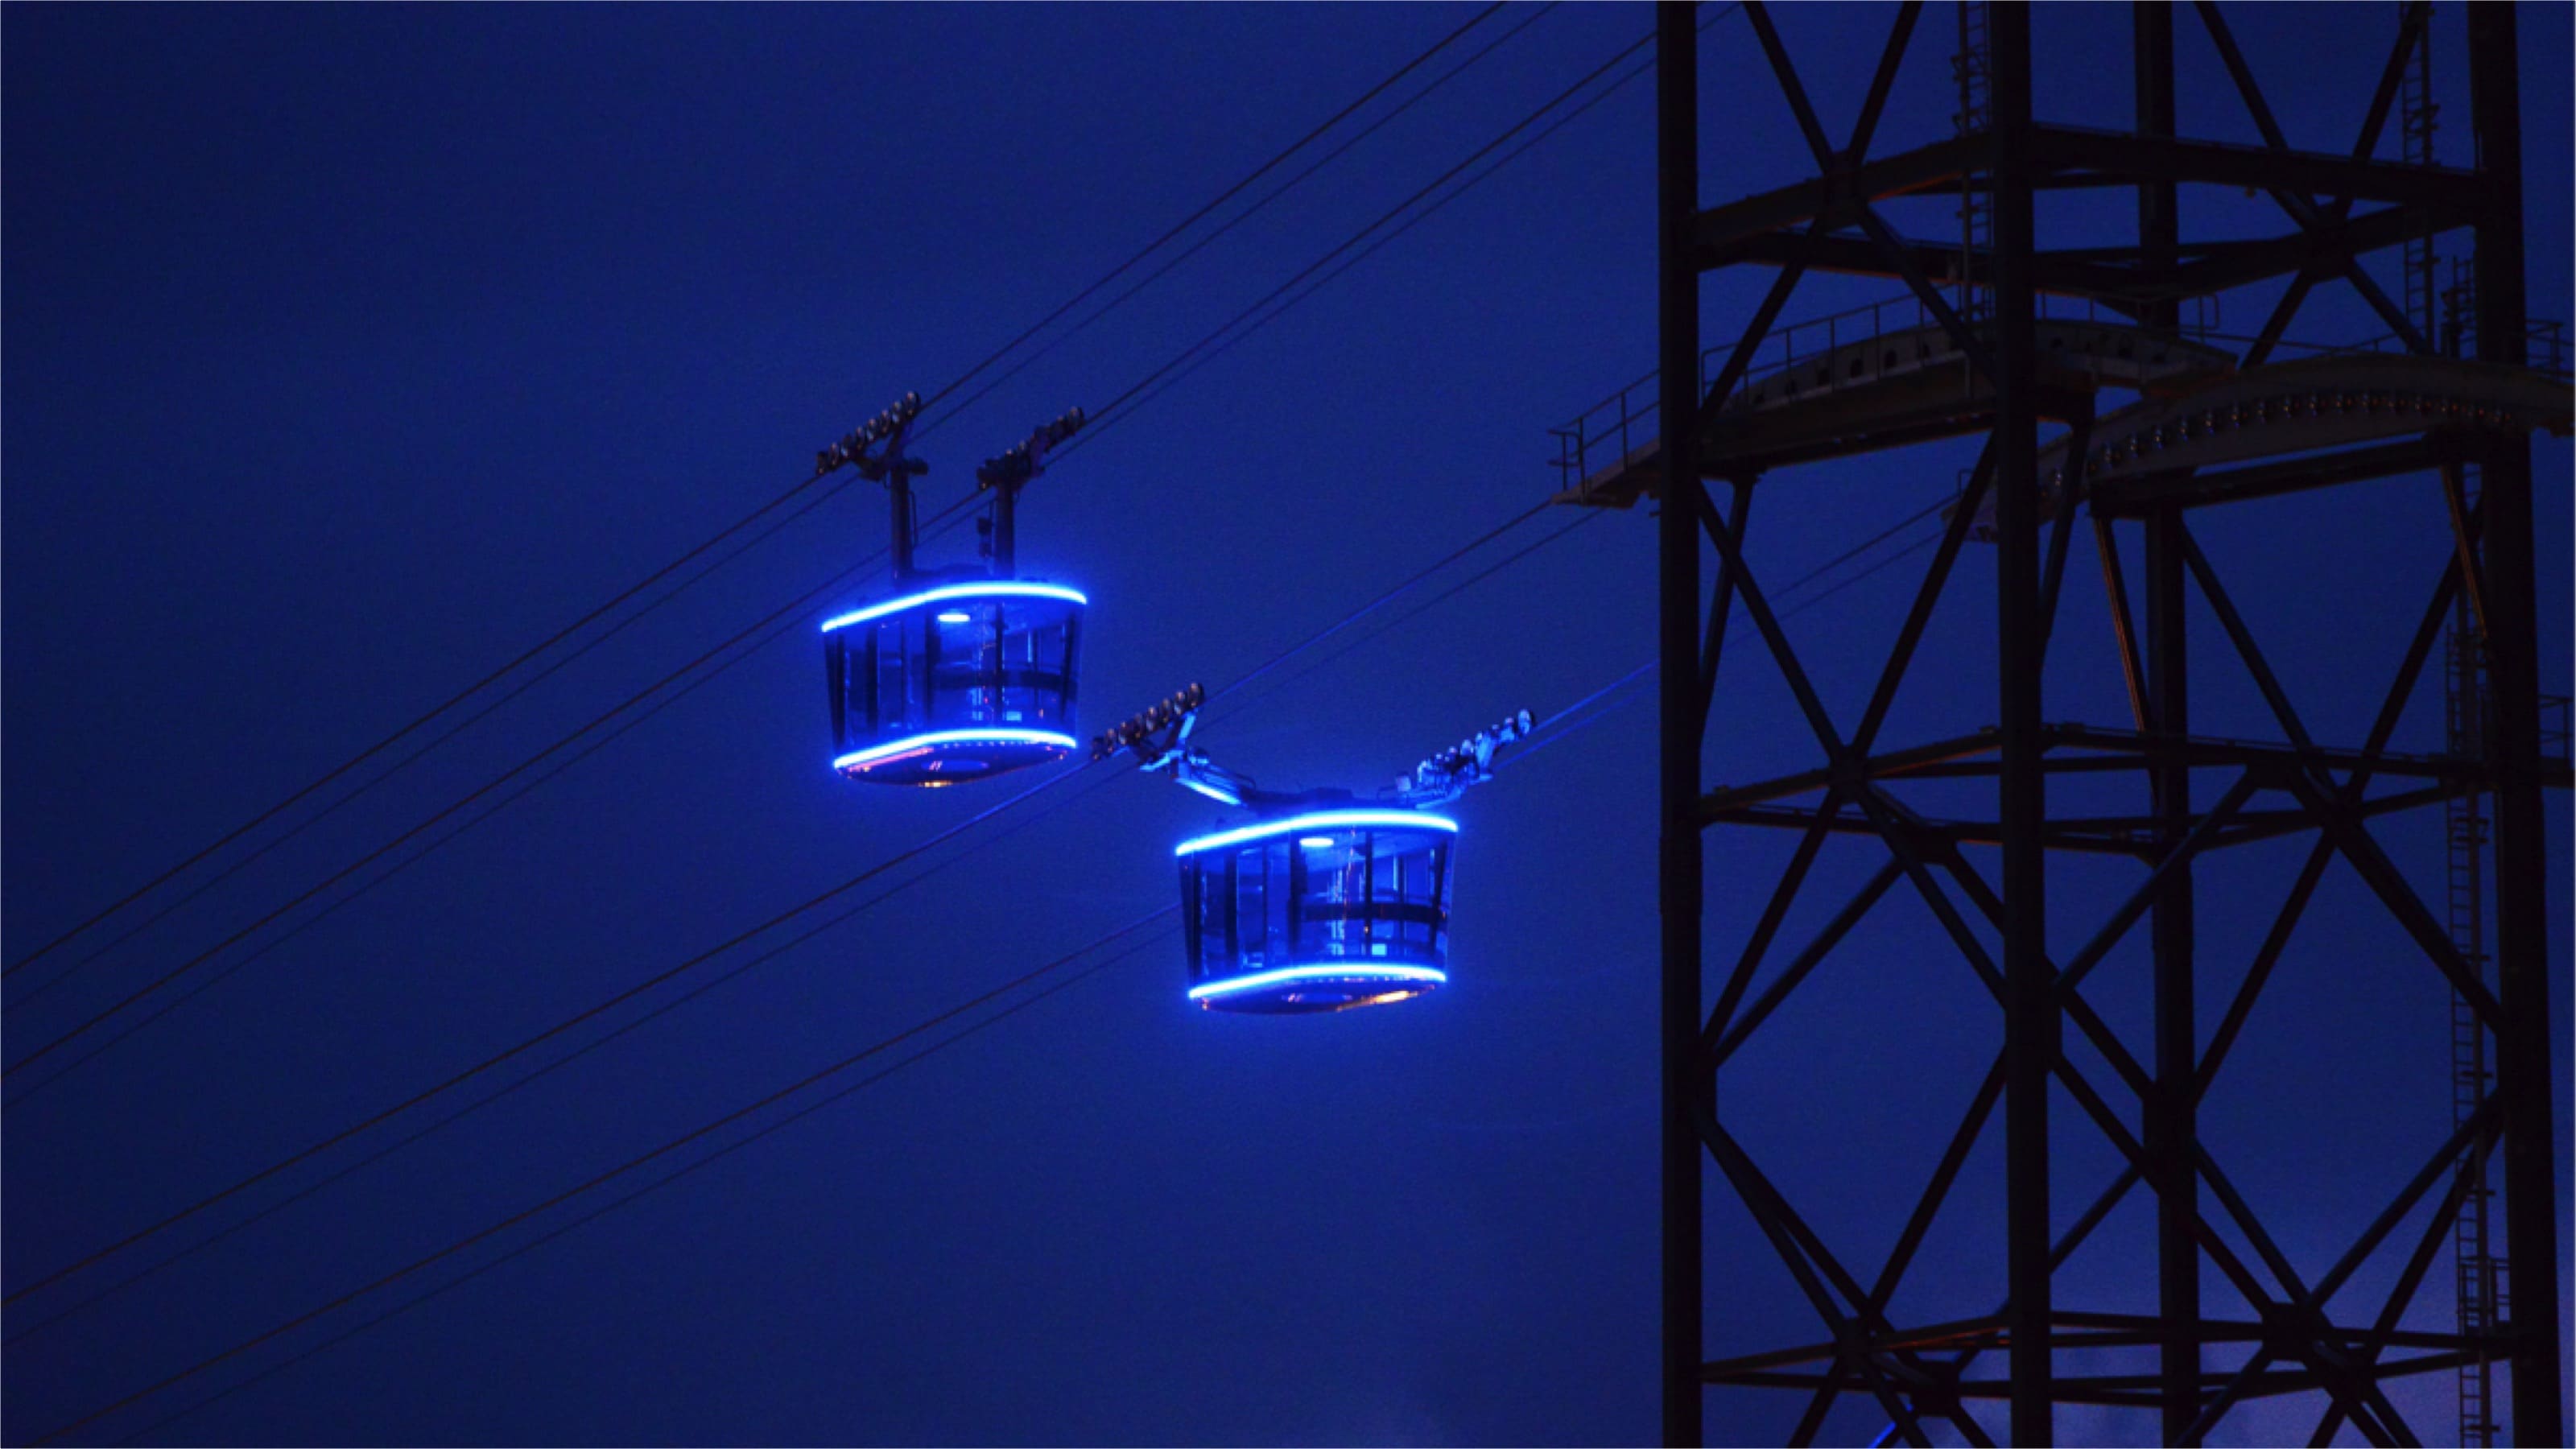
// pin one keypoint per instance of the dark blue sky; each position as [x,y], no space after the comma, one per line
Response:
[351,350]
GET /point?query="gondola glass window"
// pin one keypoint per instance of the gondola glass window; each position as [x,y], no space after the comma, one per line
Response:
[1318,912]
[954,683]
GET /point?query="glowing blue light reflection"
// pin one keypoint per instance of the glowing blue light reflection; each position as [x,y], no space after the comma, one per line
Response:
[1218,793]
[925,743]
[953,617]
[1317,842]
[1234,985]
[1321,820]
[995,589]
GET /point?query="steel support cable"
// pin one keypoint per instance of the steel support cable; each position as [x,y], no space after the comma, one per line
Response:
[648,580]
[1410,583]
[791,608]
[1092,432]
[1078,977]
[1185,223]
[780,629]
[1258,671]
[601,1179]
[1363,234]
[962,502]
[1206,239]
[1435,601]
[1329,256]
[450,733]
[1124,296]
[388,1113]
[544,1036]
[1417,219]
[1563,723]
[308,922]
[479,1103]
[388,741]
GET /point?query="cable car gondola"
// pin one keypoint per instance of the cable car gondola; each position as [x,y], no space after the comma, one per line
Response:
[964,673]
[1327,901]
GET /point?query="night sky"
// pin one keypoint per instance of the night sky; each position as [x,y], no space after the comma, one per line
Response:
[352,350]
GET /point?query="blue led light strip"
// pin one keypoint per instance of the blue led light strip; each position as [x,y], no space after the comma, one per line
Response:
[1321,820]
[998,589]
[1356,971]
[874,753]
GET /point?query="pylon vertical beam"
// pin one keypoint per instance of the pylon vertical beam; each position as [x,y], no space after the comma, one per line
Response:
[2522,963]
[2171,1118]
[1678,610]
[2030,1013]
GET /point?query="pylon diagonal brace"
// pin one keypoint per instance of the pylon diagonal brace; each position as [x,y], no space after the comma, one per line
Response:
[2320,1352]
[2070,498]
[2410,27]
[1713,639]
[2477,1128]
[2392,707]
[2176,859]
[1806,1257]
[1937,1190]
[2312,786]
[1772,916]
[2300,207]
[2095,1029]
[1731,552]
[2126,1065]
[2215,1247]
[1800,965]
[1837,176]
[1935,578]
[2402,1292]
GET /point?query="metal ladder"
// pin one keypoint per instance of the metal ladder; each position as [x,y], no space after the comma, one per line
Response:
[2416,113]
[1973,68]
[2477,1271]
[2478,1274]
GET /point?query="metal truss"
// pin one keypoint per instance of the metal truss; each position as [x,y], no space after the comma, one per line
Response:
[2304,1336]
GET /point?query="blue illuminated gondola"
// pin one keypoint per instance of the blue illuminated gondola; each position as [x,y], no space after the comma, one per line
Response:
[965,673]
[1318,911]
[954,682]
[1326,902]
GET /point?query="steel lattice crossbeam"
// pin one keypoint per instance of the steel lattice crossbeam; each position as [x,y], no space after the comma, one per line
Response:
[1973,366]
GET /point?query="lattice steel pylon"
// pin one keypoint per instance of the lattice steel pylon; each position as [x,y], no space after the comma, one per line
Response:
[2213,429]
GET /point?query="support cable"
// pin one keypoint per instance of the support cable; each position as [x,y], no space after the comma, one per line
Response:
[388,741]
[1092,433]
[546,1035]
[1564,723]
[953,516]
[1435,601]
[307,923]
[747,520]
[1329,630]
[1194,248]
[264,1174]
[1411,582]
[551,1067]
[1168,367]
[1085,974]
[449,733]
[600,1179]
[1237,189]
[1356,238]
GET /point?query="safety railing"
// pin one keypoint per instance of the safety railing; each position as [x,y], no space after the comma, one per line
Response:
[1612,429]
